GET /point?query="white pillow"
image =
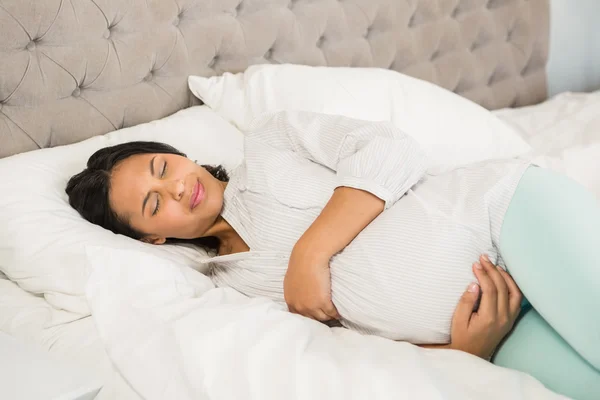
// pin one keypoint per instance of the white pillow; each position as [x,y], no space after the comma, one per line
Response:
[451,129]
[42,238]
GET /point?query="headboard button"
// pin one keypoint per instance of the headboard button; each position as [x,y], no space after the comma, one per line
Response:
[213,61]
[31,46]
[76,92]
[412,21]
[321,41]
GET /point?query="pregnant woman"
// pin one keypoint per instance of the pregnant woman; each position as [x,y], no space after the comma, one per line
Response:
[338,219]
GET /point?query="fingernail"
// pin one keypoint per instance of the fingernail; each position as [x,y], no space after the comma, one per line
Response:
[472,287]
[486,258]
[478,266]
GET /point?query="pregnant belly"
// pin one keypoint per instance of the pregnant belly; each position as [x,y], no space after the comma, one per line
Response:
[404,284]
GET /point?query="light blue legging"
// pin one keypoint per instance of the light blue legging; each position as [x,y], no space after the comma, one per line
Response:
[550,242]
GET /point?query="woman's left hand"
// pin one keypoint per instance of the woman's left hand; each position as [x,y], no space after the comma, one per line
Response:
[480,332]
[307,284]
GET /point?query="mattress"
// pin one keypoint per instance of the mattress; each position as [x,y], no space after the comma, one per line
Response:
[564,133]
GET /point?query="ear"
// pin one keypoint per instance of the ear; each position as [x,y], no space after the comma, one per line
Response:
[154,240]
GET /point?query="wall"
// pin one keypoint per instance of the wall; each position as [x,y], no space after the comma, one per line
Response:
[574,63]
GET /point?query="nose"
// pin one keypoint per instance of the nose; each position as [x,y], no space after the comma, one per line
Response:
[176,188]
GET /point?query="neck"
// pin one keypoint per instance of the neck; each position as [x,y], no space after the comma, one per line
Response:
[229,240]
[221,230]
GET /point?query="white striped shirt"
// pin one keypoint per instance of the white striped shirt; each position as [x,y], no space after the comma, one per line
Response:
[402,276]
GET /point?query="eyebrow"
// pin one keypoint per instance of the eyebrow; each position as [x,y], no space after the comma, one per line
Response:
[148,194]
[152,165]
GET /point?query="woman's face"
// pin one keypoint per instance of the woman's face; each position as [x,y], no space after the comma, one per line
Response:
[166,196]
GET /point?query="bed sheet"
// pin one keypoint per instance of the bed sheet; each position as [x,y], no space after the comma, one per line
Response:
[66,335]
[564,133]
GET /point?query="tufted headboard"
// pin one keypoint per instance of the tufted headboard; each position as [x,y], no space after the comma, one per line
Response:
[73,69]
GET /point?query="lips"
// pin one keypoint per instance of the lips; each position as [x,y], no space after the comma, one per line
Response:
[197,195]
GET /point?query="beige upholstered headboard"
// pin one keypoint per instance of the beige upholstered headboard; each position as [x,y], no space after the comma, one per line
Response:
[73,69]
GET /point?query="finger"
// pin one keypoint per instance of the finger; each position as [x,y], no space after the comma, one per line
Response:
[464,309]
[331,311]
[514,294]
[305,312]
[501,288]
[488,306]
[312,313]
[319,315]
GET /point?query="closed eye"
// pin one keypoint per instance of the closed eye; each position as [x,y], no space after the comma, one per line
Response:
[157,207]
[162,175]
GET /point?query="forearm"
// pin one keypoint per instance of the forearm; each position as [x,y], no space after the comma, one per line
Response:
[346,214]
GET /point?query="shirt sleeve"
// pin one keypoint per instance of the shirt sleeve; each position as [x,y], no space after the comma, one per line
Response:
[375,157]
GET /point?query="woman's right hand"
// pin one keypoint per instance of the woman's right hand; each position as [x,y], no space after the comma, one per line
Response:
[480,332]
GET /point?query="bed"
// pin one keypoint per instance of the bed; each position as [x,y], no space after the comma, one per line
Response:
[73,70]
